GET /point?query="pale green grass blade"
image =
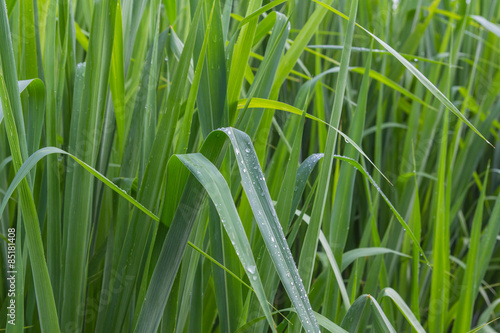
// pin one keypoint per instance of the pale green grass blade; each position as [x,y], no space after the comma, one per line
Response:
[386,199]
[211,101]
[440,285]
[488,239]
[405,310]
[308,252]
[150,109]
[285,198]
[353,317]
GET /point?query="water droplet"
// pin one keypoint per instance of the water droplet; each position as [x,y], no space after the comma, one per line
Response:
[247,150]
[251,269]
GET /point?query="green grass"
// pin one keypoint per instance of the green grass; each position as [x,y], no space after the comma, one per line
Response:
[250,166]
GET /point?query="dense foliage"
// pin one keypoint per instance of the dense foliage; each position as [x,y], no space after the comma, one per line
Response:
[225,165]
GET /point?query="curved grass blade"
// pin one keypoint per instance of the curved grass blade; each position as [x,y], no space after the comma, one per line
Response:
[350,256]
[405,310]
[16,135]
[393,209]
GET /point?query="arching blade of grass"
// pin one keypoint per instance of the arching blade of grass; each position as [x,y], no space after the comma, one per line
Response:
[353,317]
[363,306]
[211,102]
[470,284]
[76,229]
